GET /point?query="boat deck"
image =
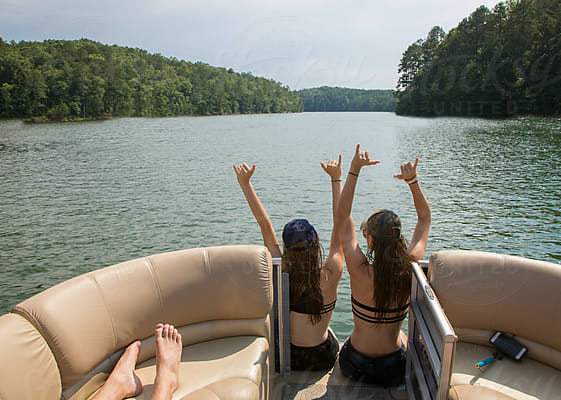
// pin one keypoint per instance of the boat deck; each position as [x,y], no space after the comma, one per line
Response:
[304,385]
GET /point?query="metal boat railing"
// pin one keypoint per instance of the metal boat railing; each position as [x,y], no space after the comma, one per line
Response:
[431,342]
[281,318]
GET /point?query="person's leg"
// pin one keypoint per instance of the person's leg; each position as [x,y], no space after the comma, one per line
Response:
[168,357]
[122,382]
[346,364]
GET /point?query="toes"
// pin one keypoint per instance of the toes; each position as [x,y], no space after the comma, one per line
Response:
[133,347]
[159,330]
[168,331]
[174,335]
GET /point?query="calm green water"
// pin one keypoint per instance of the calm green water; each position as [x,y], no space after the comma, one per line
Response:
[76,197]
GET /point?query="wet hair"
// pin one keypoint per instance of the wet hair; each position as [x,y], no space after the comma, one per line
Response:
[390,260]
[303,263]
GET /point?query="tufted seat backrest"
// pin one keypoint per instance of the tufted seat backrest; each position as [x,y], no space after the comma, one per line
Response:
[215,292]
[485,292]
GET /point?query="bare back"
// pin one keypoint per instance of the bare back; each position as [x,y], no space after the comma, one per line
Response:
[302,332]
[373,339]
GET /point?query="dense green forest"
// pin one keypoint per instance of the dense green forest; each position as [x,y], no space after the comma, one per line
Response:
[344,99]
[85,79]
[494,64]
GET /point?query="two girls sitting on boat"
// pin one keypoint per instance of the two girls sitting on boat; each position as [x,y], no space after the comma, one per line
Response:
[380,280]
[380,289]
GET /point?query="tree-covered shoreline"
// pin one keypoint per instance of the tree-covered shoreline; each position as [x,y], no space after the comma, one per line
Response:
[82,79]
[494,64]
[334,99]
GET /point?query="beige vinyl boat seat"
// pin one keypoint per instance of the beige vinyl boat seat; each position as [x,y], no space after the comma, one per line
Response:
[63,342]
[484,292]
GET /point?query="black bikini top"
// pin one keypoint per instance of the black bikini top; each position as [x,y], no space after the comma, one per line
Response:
[378,320]
[303,307]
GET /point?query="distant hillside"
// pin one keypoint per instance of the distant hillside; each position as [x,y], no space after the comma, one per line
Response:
[61,80]
[344,99]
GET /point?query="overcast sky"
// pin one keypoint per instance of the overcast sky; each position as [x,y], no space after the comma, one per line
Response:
[300,43]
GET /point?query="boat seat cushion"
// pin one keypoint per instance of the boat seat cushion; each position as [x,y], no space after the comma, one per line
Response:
[28,369]
[469,392]
[232,389]
[485,292]
[111,307]
[226,368]
[503,379]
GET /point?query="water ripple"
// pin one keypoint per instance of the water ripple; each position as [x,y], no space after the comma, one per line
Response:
[76,197]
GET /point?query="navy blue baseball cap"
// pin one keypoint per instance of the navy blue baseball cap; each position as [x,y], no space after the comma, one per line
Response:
[298,231]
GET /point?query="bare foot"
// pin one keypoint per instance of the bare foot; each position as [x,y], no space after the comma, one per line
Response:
[123,382]
[168,357]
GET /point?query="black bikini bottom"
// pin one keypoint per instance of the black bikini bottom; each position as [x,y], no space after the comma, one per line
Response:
[316,358]
[387,370]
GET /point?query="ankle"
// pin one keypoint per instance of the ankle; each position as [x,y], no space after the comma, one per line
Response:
[165,385]
[162,392]
[167,381]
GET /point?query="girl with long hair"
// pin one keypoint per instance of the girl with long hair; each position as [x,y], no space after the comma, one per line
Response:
[380,280]
[313,283]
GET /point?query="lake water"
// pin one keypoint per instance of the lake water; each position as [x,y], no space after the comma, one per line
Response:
[80,196]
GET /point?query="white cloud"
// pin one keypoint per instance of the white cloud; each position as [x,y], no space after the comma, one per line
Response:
[357,43]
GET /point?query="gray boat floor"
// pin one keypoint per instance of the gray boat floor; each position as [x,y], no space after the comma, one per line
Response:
[327,385]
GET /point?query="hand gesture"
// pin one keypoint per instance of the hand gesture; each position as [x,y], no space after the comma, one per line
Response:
[333,168]
[244,173]
[361,159]
[408,171]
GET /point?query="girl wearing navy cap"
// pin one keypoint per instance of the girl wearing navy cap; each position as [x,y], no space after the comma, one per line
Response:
[313,284]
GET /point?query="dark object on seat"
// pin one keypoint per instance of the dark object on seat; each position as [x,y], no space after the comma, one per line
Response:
[507,345]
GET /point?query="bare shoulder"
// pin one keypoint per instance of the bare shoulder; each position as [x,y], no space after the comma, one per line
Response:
[329,279]
[333,265]
[357,263]
[361,275]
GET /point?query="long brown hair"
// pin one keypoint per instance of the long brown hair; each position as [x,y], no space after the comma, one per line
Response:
[390,260]
[303,263]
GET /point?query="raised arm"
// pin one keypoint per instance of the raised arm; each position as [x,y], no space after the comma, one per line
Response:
[244,174]
[420,237]
[344,222]
[335,259]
